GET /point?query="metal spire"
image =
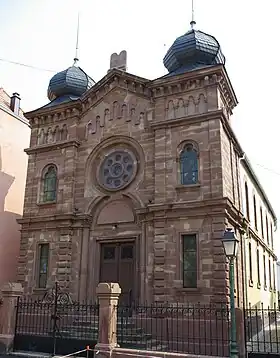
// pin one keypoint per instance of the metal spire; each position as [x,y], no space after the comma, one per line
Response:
[192,23]
[76,59]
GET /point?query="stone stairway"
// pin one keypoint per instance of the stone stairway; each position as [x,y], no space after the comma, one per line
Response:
[128,335]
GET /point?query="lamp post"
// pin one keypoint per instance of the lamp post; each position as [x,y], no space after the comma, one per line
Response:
[230,243]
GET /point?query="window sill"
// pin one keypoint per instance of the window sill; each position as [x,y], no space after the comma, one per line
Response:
[251,284]
[186,187]
[46,203]
[258,285]
[189,290]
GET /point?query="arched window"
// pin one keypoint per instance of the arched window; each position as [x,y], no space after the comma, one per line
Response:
[189,165]
[49,184]
[247,201]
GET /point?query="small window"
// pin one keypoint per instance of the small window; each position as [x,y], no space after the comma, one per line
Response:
[255,213]
[261,216]
[250,263]
[189,165]
[189,261]
[258,267]
[109,253]
[264,271]
[43,265]
[127,252]
[247,201]
[50,184]
[267,230]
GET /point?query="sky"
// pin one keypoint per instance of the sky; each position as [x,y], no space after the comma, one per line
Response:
[42,33]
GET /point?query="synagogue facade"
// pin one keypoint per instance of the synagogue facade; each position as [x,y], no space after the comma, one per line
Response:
[134,181]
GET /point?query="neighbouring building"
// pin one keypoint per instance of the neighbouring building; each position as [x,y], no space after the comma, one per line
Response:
[14,137]
[134,181]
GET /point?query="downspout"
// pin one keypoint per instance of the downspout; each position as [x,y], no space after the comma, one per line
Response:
[244,236]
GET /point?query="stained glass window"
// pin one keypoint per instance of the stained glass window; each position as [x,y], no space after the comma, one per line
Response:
[50,181]
[189,165]
[189,261]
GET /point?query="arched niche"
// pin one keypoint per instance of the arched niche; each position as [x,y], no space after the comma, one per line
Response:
[117,211]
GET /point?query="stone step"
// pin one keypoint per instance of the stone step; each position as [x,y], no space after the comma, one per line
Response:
[94,329]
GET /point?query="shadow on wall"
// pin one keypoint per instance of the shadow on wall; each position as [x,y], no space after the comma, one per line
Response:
[9,232]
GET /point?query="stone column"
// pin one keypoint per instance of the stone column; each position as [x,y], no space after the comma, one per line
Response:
[108,296]
[10,293]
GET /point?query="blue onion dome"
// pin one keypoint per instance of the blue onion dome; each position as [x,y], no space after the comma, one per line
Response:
[193,50]
[71,83]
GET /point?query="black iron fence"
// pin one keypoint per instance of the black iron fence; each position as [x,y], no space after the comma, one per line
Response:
[195,329]
[55,324]
[262,329]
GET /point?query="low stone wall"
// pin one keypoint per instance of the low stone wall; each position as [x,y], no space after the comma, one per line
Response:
[129,353]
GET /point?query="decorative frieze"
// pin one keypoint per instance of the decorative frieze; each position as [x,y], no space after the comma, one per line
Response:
[117,111]
[183,107]
[52,134]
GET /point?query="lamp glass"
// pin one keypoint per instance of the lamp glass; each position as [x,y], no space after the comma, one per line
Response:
[230,247]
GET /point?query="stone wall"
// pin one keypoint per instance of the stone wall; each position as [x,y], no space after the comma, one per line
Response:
[154,120]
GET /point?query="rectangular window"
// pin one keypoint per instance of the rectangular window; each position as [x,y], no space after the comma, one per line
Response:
[258,267]
[189,243]
[264,271]
[250,263]
[43,265]
[255,213]
[273,271]
[267,230]
[261,217]
[269,274]
[271,235]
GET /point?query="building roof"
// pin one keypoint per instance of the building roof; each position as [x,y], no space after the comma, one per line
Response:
[70,83]
[194,49]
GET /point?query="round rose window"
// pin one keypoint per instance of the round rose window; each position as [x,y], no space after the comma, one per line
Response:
[117,170]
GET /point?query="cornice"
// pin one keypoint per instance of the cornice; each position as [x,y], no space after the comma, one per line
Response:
[196,118]
[53,146]
[194,80]
[58,218]
[51,115]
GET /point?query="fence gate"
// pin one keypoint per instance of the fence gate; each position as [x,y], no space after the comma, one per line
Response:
[262,331]
[55,324]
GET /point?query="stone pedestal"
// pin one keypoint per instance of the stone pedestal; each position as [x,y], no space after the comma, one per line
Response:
[108,296]
[9,294]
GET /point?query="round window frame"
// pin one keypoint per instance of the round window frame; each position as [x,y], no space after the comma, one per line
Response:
[102,161]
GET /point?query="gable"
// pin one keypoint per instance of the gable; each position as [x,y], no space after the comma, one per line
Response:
[118,108]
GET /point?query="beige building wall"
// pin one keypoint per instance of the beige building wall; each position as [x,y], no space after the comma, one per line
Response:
[259,243]
[14,138]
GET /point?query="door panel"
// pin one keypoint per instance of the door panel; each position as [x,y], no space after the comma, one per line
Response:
[118,265]
[109,263]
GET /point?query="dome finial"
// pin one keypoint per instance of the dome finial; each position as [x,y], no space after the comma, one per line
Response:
[76,59]
[192,23]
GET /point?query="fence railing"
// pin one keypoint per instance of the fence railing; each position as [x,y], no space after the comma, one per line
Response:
[55,327]
[262,329]
[195,329]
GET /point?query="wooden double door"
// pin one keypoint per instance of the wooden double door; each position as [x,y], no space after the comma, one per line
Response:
[117,264]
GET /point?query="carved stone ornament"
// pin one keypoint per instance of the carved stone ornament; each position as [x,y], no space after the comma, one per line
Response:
[117,170]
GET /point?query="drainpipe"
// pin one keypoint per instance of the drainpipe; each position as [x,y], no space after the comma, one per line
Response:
[244,236]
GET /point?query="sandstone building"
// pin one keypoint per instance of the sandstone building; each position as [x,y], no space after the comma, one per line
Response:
[134,181]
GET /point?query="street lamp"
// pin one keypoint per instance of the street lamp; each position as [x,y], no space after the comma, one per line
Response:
[230,243]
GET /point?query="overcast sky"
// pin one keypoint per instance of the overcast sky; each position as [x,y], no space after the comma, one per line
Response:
[42,33]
